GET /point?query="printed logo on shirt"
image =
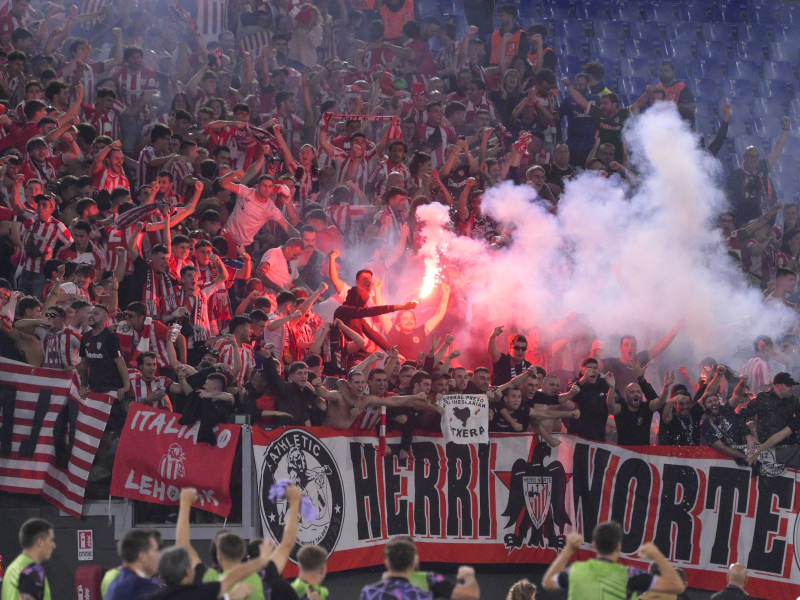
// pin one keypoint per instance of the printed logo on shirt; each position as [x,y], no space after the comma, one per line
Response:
[302,458]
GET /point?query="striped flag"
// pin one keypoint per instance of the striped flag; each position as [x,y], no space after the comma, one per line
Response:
[48,434]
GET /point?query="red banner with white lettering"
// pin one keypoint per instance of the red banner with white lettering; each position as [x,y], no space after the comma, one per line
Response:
[157,457]
[48,434]
[514,499]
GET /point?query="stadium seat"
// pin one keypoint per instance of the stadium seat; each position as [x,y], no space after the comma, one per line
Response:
[794,108]
[765,128]
[710,68]
[605,48]
[789,15]
[666,12]
[628,99]
[629,11]
[695,13]
[786,34]
[783,51]
[636,67]
[609,64]
[742,142]
[775,89]
[733,14]
[640,49]
[681,72]
[706,110]
[646,30]
[609,30]
[681,50]
[575,47]
[557,10]
[429,8]
[778,70]
[792,145]
[682,32]
[570,65]
[632,85]
[784,164]
[762,15]
[740,110]
[569,29]
[753,33]
[590,11]
[716,32]
[737,87]
[767,108]
[456,7]
[703,125]
[718,50]
[742,69]
[749,51]
[785,185]
[704,88]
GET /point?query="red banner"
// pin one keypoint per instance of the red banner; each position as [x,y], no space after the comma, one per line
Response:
[157,457]
[48,434]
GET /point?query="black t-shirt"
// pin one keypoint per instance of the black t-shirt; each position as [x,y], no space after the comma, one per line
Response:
[591,401]
[633,428]
[539,397]
[408,344]
[557,176]
[279,588]
[503,371]
[100,351]
[520,415]
[193,591]
[681,431]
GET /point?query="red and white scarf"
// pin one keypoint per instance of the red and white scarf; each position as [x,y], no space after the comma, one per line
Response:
[395,133]
[159,293]
[199,315]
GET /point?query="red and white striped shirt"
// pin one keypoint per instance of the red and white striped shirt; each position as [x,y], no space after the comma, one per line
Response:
[46,172]
[225,349]
[106,180]
[158,344]
[306,183]
[117,238]
[254,42]
[93,256]
[292,131]
[141,389]
[146,173]
[61,349]
[106,124]
[484,105]
[45,234]
[381,172]
[212,18]
[133,85]
[348,169]
[9,22]
[409,112]
[181,170]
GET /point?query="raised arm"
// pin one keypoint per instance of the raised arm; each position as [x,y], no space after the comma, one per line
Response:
[658,403]
[780,143]
[662,344]
[183,536]
[611,397]
[434,321]
[281,554]
[494,353]
[576,95]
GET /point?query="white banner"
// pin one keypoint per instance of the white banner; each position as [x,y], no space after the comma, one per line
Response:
[466,418]
[514,499]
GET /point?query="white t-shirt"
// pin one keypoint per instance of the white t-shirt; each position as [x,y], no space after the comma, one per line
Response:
[250,215]
[281,272]
[277,337]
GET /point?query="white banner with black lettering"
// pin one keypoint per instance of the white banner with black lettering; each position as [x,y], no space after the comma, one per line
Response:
[466,418]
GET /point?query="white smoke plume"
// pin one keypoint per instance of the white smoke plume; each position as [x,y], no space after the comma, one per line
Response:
[631,264]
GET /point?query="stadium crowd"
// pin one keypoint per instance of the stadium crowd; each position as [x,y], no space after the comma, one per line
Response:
[208,212]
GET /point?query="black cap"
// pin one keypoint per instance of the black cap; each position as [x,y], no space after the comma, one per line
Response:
[785,379]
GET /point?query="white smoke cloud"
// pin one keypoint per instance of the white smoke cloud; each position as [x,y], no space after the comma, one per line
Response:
[631,264]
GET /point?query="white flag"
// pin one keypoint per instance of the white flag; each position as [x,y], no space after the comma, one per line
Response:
[466,418]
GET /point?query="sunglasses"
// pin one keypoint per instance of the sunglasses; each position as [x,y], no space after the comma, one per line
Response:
[522,348]
[52,315]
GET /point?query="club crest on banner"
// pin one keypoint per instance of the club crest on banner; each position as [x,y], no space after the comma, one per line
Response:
[536,501]
[172,465]
[301,458]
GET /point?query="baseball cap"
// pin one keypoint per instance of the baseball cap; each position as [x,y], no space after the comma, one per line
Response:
[417,89]
[785,379]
